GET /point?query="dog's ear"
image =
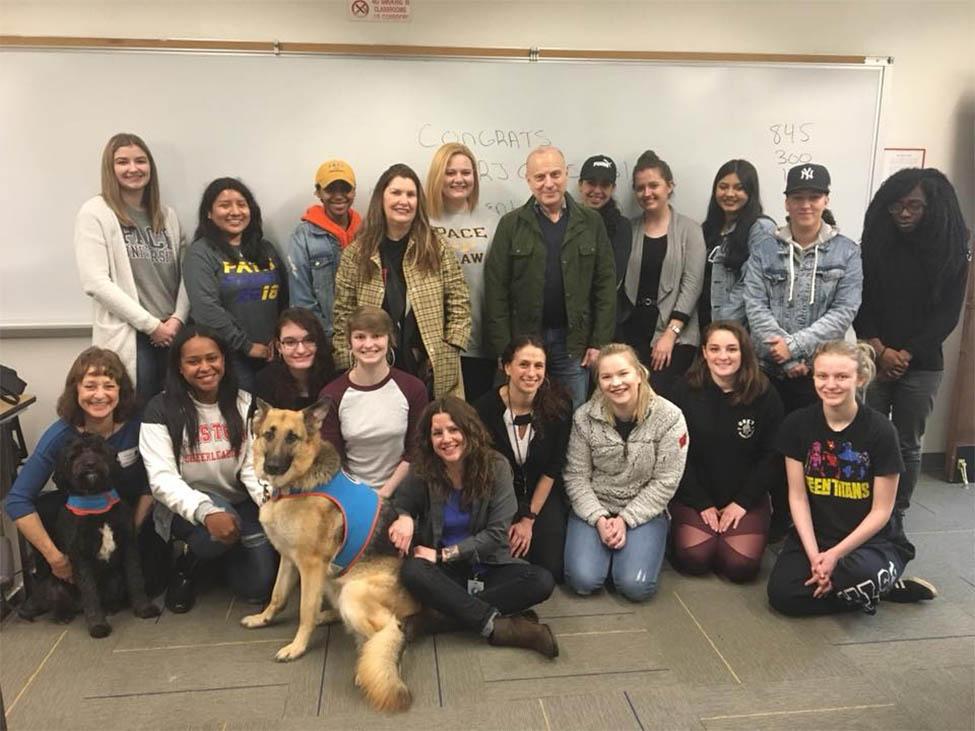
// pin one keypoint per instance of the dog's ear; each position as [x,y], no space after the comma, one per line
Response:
[315,414]
[62,468]
[260,411]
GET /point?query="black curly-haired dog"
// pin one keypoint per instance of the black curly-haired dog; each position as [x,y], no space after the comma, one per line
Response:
[96,530]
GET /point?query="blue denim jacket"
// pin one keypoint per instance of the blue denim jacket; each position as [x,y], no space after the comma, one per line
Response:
[313,258]
[807,296]
[728,285]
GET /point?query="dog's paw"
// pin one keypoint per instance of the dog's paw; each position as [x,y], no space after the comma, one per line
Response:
[290,652]
[99,630]
[253,621]
[146,611]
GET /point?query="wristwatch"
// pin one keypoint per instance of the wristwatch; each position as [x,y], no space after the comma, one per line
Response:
[675,329]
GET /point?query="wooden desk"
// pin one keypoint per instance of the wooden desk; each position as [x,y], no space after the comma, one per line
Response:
[12,411]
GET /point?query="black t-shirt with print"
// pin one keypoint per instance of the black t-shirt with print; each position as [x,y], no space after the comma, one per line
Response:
[840,466]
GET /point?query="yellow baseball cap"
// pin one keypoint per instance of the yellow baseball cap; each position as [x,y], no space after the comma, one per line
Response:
[332,170]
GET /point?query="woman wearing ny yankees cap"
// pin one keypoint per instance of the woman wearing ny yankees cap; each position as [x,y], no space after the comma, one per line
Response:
[802,287]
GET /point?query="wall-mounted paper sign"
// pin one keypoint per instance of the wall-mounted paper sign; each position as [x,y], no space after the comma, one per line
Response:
[395,11]
[899,158]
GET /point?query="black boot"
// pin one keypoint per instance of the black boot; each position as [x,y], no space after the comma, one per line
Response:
[181,594]
[520,632]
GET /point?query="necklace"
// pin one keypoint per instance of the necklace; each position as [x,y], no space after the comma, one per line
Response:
[517,421]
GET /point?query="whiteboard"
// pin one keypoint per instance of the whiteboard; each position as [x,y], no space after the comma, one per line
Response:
[271,120]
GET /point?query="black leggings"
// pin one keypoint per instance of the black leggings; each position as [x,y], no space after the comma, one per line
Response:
[508,589]
[548,536]
[860,579]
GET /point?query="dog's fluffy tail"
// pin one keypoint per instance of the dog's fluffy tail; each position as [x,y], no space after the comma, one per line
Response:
[377,671]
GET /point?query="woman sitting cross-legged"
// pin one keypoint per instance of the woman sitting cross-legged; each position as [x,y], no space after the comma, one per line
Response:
[455,507]
[626,456]
[197,452]
[721,510]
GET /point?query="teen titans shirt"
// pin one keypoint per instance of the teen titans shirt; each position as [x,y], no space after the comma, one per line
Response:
[840,466]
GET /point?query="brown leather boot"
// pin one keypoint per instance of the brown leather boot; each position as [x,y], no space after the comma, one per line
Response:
[520,632]
[428,622]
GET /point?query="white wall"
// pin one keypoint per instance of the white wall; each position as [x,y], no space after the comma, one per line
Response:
[932,104]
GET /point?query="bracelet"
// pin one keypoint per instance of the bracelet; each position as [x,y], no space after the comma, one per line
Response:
[439,556]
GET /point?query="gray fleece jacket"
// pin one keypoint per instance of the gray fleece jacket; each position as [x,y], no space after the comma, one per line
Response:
[635,479]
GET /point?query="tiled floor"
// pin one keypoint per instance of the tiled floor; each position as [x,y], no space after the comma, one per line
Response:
[702,654]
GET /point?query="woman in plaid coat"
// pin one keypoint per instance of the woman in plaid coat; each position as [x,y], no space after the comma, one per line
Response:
[398,263]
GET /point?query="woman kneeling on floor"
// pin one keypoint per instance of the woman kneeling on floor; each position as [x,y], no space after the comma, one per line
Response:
[455,506]
[197,452]
[843,463]
[721,510]
[626,456]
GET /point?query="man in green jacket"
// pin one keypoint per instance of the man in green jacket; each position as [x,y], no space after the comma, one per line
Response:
[550,272]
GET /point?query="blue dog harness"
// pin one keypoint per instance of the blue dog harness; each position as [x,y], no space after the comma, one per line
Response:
[360,506]
[92,504]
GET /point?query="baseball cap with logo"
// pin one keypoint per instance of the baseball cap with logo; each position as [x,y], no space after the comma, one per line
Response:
[600,169]
[807,177]
[332,170]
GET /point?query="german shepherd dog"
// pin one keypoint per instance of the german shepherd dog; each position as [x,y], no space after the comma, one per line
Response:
[309,533]
[96,530]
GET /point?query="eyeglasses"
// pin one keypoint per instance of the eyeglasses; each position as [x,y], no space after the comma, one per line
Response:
[912,207]
[292,343]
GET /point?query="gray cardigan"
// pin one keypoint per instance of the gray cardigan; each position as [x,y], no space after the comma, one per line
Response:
[681,278]
[488,542]
[635,479]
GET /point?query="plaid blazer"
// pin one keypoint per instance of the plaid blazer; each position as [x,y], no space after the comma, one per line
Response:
[439,300]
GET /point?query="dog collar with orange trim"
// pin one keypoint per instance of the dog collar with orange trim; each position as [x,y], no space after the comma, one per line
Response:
[360,507]
[92,504]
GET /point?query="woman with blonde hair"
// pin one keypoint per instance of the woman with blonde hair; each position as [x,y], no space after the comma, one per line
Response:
[843,464]
[626,457]
[399,263]
[452,194]
[128,246]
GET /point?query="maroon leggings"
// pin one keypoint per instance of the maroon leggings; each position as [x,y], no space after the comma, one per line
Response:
[735,554]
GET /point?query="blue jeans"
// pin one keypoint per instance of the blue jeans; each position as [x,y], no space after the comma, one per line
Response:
[908,402]
[150,368]
[251,563]
[564,368]
[634,568]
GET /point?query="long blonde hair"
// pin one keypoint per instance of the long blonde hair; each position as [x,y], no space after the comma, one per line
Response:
[645,393]
[112,191]
[435,177]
